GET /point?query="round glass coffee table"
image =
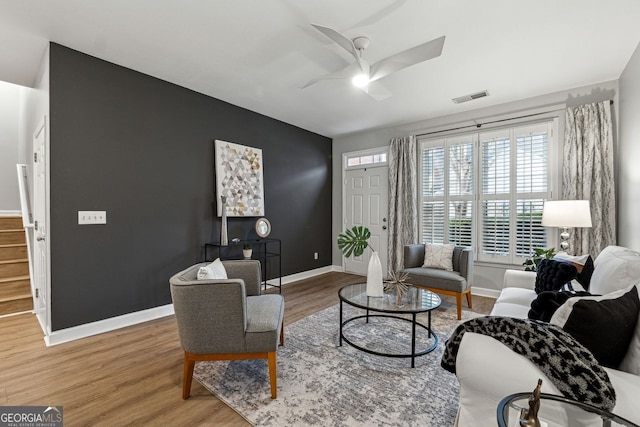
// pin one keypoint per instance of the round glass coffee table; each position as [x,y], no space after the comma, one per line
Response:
[414,301]
[558,408]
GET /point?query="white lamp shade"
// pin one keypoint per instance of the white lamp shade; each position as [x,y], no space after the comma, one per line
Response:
[566,214]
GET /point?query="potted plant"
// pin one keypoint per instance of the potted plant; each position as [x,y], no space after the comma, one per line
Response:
[247,250]
[354,241]
[531,263]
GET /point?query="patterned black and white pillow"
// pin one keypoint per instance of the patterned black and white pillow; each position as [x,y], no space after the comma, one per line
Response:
[603,324]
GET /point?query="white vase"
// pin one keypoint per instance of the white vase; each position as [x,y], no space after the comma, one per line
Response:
[374,276]
[224,239]
[246,253]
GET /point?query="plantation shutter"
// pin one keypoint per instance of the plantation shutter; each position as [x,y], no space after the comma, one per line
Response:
[532,187]
[495,196]
[433,182]
[460,203]
[486,190]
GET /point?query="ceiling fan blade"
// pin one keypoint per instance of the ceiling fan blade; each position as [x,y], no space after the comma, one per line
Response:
[345,73]
[407,58]
[344,42]
[376,91]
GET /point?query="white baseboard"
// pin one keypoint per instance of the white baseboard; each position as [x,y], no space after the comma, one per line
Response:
[106,325]
[113,323]
[10,213]
[305,275]
[485,292]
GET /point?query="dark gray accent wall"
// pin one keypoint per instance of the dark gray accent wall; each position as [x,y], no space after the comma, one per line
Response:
[142,149]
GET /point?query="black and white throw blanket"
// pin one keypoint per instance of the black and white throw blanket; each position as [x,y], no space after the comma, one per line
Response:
[566,363]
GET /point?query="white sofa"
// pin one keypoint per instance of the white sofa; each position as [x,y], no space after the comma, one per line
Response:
[488,370]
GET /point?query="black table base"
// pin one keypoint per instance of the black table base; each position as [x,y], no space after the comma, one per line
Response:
[414,324]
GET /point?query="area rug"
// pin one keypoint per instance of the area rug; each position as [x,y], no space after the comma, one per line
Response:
[323,384]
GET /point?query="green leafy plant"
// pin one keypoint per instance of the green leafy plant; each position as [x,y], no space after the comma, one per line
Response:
[354,241]
[246,247]
[531,264]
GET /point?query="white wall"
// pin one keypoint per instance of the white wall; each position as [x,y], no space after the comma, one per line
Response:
[629,155]
[486,276]
[9,146]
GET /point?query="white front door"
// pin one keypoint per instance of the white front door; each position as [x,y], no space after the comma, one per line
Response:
[40,270]
[366,203]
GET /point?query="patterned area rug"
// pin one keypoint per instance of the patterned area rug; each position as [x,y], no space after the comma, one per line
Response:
[322,384]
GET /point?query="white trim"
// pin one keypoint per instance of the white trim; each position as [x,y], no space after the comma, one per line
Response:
[130,319]
[10,213]
[485,292]
[107,325]
[305,275]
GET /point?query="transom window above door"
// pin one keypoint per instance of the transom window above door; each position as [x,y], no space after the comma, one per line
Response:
[361,159]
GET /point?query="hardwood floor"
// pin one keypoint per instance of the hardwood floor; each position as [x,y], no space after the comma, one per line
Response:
[133,376]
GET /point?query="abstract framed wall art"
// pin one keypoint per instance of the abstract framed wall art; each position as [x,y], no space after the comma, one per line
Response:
[239,178]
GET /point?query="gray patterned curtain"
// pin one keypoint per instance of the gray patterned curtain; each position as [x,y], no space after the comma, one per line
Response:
[403,201]
[587,174]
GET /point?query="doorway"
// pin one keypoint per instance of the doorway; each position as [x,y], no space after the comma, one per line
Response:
[41,286]
[366,195]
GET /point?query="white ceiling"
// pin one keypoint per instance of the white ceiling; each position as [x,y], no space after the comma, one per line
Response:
[257,53]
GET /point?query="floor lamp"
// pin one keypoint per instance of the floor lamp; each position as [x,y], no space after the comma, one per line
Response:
[566,214]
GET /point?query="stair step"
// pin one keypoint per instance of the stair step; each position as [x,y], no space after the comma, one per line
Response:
[13,279]
[16,305]
[16,297]
[10,222]
[8,237]
[14,268]
[13,251]
[16,287]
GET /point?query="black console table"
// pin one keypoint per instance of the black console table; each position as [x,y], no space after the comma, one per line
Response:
[263,249]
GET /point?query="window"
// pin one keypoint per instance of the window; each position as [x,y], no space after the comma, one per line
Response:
[486,190]
[369,158]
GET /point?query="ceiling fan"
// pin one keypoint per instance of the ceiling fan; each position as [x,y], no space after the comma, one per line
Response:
[365,76]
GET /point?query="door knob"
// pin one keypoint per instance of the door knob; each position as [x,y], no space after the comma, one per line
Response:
[384,227]
[40,238]
[384,219]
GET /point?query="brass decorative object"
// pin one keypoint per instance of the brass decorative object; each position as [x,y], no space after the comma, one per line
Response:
[529,417]
[396,283]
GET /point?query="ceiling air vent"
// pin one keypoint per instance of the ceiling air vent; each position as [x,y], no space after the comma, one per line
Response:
[471,97]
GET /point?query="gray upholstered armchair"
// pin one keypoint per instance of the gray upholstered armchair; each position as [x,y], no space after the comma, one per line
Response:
[226,319]
[457,282]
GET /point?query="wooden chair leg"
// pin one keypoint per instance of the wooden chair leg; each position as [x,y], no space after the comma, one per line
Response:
[469,299]
[187,375]
[272,373]
[459,305]
[282,335]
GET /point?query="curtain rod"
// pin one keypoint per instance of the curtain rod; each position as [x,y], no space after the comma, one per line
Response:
[478,125]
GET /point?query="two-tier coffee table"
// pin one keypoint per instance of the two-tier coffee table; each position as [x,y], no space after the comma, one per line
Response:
[415,301]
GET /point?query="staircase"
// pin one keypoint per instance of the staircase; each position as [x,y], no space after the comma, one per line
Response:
[15,287]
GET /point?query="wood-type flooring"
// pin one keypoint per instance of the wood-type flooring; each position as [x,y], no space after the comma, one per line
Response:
[133,376]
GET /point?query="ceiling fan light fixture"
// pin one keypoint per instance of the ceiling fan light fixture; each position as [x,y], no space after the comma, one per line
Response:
[360,80]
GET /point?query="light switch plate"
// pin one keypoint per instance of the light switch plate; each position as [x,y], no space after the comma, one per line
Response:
[92,217]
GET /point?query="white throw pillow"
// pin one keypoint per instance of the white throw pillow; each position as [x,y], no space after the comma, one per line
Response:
[615,268]
[215,270]
[438,256]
